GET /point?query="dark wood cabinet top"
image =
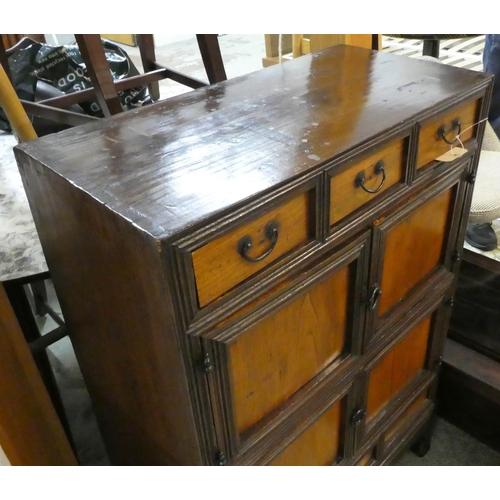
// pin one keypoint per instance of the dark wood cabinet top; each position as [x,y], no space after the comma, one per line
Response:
[173,165]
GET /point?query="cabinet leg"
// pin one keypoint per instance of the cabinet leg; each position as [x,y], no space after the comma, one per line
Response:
[423,443]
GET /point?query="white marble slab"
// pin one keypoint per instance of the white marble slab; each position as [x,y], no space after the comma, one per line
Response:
[21,254]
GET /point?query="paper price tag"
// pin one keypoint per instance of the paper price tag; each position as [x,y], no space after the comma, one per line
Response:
[452,154]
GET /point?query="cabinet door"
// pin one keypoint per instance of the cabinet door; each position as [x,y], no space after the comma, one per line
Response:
[414,252]
[321,441]
[287,354]
[403,368]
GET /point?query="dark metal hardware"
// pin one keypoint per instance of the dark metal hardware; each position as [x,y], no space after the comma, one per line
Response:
[207,363]
[220,459]
[455,124]
[438,362]
[360,178]
[455,256]
[244,245]
[450,302]
[471,178]
[377,292]
[358,416]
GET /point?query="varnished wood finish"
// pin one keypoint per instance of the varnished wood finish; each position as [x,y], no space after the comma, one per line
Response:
[30,432]
[211,149]
[316,446]
[173,372]
[97,66]
[346,196]
[415,406]
[431,146]
[413,248]
[218,266]
[276,357]
[367,459]
[125,375]
[399,366]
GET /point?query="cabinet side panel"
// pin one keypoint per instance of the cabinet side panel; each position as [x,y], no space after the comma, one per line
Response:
[110,282]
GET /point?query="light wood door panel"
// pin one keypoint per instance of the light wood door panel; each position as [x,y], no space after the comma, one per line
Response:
[397,368]
[318,445]
[281,353]
[413,248]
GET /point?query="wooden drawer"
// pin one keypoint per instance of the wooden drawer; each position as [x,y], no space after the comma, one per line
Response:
[220,265]
[367,459]
[403,419]
[396,369]
[320,444]
[366,180]
[432,144]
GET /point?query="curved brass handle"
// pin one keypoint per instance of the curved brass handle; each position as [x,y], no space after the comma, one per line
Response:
[455,124]
[360,178]
[244,245]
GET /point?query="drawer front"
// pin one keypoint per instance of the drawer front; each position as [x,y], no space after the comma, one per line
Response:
[319,444]
[227,261]
[404,418]
[366,180]
[367,459]
[434,134]
[397,368]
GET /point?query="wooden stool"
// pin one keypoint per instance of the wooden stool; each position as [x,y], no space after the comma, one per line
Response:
[106,90]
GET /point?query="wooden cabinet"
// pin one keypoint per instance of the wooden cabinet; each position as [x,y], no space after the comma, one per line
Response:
[260,272]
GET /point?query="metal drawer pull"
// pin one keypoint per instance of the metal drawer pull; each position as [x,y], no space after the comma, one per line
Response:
[377,292]
[360,178]
[455,124]
[358,416]
[244,245]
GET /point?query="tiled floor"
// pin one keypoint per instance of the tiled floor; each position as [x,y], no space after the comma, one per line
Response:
[242,54]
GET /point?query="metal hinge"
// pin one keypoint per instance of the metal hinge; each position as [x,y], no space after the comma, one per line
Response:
[358,416]
[220,458]
[207,364]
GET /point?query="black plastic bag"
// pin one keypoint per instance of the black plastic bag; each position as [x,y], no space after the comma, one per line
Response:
[62,68]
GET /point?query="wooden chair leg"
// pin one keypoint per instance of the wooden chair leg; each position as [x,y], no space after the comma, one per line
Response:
[431,48]
[212,58]
[94,57]
[147,50]
[39,291]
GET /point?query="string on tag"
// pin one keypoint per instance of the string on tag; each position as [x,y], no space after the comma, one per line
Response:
[456,152]
[457,138]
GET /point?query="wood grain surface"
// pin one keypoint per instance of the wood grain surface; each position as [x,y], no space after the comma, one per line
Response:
[316,446]
[218,266]
[413,248]
[397,368]
[272,360]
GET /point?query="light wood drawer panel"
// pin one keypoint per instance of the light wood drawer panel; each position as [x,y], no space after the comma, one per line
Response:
[400,422]
[218,266]
[431,145]
[346,195]
[316,446]
[397,368]
[367,459]
[281,353]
